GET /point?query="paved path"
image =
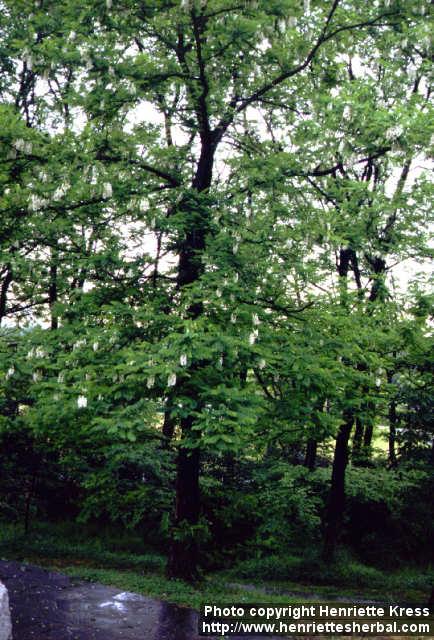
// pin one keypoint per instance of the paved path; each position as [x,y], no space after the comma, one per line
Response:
[52,606]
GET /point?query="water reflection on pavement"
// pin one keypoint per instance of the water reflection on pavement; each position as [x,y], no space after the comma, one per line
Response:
[51,606]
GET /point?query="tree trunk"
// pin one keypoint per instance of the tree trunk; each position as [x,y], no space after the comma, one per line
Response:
[168,427]
[367,442]
[183,553]
[336,501]
[357,441]
[310,458]
[4,292]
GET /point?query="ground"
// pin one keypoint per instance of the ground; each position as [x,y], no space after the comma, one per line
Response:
[47,605]
[51,606]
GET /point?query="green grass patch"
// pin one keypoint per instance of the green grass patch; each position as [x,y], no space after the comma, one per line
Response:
[116,561]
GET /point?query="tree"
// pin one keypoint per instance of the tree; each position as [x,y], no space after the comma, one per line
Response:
[142,104]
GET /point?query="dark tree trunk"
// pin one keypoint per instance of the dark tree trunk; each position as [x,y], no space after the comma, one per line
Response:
[183,553]
[168,427]
[357,441]
[336,500]
[4,292]
[310,458]
[367,442]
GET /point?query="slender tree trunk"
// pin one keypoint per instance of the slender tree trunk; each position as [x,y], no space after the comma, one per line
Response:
[4,292]
[367,442]
[310,458]
[357,441]
[336,501]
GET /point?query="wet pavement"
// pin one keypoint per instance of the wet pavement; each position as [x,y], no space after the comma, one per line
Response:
[52,606]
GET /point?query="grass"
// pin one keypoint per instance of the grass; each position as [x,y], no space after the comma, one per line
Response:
[123,562]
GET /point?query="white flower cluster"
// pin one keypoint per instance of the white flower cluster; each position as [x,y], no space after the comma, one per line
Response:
[107,190]
[81,402]
[253,336]
[171,380]
[10,372]
[347,112]
[36,203]
[23,146]
[394,132]
[61,191]
[80,343]
[281,25]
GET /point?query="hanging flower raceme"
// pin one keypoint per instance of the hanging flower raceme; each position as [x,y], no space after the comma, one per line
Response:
[81,402]
[36,202]
[171,380]
[10,372]
[394,132]
[61,191]
[150,382]
[253,336]
[107,190]
[183,360]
